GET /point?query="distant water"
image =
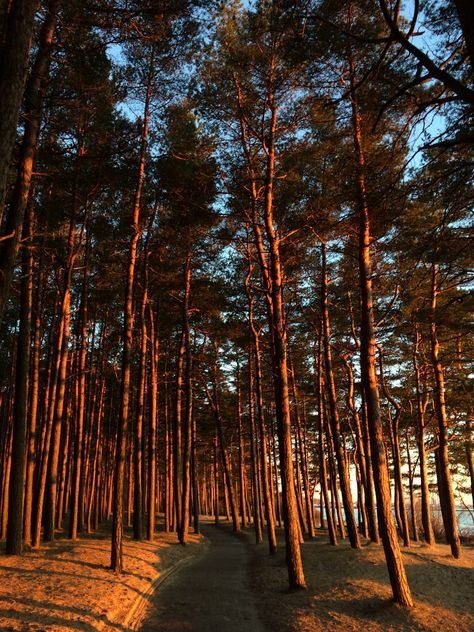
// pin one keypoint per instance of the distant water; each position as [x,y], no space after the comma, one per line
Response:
[465,518]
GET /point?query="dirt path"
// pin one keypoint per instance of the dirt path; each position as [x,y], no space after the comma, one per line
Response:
[211,594]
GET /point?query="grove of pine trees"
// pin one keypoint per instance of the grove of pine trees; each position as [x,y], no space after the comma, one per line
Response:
[236,271]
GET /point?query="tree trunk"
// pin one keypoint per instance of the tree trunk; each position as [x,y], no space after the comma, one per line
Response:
[177,430]
[138,456]
[33,417]
[76,498]
[469,456]
[280,371]
[214,403]
[302,459]
[216,482]
[188,415]
[123,421]
[323,473]
[271,271]
[333,410]
[63,351]
[20,406]
[195,483]
[154,334]
[397,464]
[253,453]
[13,71]
[396,570]
[414,519]
[444,474]
[465,10]
[14,55]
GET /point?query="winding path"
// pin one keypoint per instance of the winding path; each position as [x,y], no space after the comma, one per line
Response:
[209,595]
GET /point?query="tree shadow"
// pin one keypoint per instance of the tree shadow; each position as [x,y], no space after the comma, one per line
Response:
[53,618]
[43,572]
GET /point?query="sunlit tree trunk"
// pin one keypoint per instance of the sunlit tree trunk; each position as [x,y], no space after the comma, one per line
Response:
[444,474]
[396,569]
[216,481]
[195,484]
[280,367]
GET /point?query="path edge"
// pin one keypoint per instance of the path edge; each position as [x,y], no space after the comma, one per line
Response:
[135,614]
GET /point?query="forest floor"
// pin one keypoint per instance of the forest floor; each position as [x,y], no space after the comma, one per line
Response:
[68,585]
[224,583]
[349,589]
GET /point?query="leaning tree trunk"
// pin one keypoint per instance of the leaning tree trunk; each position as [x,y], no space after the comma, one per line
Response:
[272,274]
[444,474]
[280,375]
[396,569]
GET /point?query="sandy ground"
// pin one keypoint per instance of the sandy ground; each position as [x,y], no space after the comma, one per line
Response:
[68,586]
[349,590]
